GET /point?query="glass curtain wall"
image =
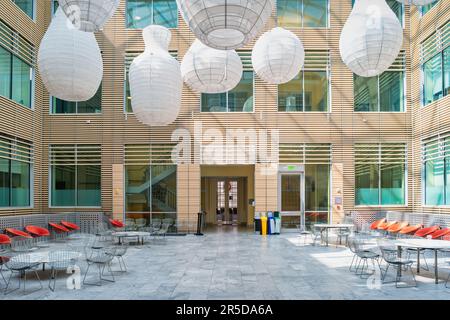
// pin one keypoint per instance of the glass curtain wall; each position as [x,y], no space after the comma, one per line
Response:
[141,13]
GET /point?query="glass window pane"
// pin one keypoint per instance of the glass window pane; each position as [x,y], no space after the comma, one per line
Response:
[63,185]
[366,93]
[290,95]
[139,13]
[5,73]
[164,188]
[89,186]
[216,102]
[240,99]
[128,96]
[315,13]
[26,6]
[317,187]
[93,105]
[61,106]
[392,92]
[20,184]
[137,188]
[165,13]
[21,83]
[4,183]
[434,182]
[316,91]
[432,75]
[366,184]
[428,7]
[289,13]
[392,184]
[290,193]
[447,71]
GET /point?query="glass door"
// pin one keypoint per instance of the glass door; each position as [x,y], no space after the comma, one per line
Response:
[227,201]
[291,201]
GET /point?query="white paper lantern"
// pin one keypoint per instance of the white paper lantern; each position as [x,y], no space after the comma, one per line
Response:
[226,24]
[416,2]
[69,61]
[371,38]
[89,15]
[155,80]
[278,56]
[209,70]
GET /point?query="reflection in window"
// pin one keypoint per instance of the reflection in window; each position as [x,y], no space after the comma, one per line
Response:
[385,93]
[27,6]
[306,92]
[141,13]
[432,79]
[428,7]
[15,76]
[290,193]
[302,13]
[93,105]
[14,183]
[239,99]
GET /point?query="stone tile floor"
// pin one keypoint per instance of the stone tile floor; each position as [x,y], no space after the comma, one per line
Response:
[237,265]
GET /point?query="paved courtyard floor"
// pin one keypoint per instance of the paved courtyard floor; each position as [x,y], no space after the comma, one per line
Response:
[237,265]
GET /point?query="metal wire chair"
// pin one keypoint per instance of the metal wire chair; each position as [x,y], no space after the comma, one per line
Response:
[60,261]
[102,259]
[21,264]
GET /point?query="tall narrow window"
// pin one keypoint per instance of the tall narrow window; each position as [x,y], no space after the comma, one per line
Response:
[436,169]
[16,158]
[75,175]
[435,62]
[380,174]
[141,13]
[302,13]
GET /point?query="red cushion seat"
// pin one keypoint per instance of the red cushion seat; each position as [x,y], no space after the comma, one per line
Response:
[440,233]
[18,233]
[38,231]
[397,227]
[117,223]
[4,239]
[410,229]
[58,227]
[386,225]
[375,224]
[426,231]
[70,225]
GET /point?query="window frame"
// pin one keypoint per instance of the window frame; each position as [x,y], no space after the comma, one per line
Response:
[76,107]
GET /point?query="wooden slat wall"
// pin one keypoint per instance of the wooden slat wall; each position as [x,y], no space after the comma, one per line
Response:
[113,128]
[433,118]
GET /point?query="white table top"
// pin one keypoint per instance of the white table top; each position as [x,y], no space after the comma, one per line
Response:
[422,243]
[44,256]
[130,234]
[337,225]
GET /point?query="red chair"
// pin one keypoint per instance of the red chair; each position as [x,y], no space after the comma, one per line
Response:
[58,228]
[386,225]
[18,233]
[426,231]
[116,223]
[375,224]
[4,239]
[397,227]
[410,229]
[70,225]
[440,233]
[37,231]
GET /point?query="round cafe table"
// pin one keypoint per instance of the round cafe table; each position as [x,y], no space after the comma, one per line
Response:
[327,226]
[139,235]
[44,257]
[427,244]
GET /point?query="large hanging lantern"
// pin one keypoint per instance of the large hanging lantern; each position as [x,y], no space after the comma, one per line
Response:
[226,24]
[69,61]
[417,2]
[278,56]
[371,38]
[89,15]
[155,80]
[209,70]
